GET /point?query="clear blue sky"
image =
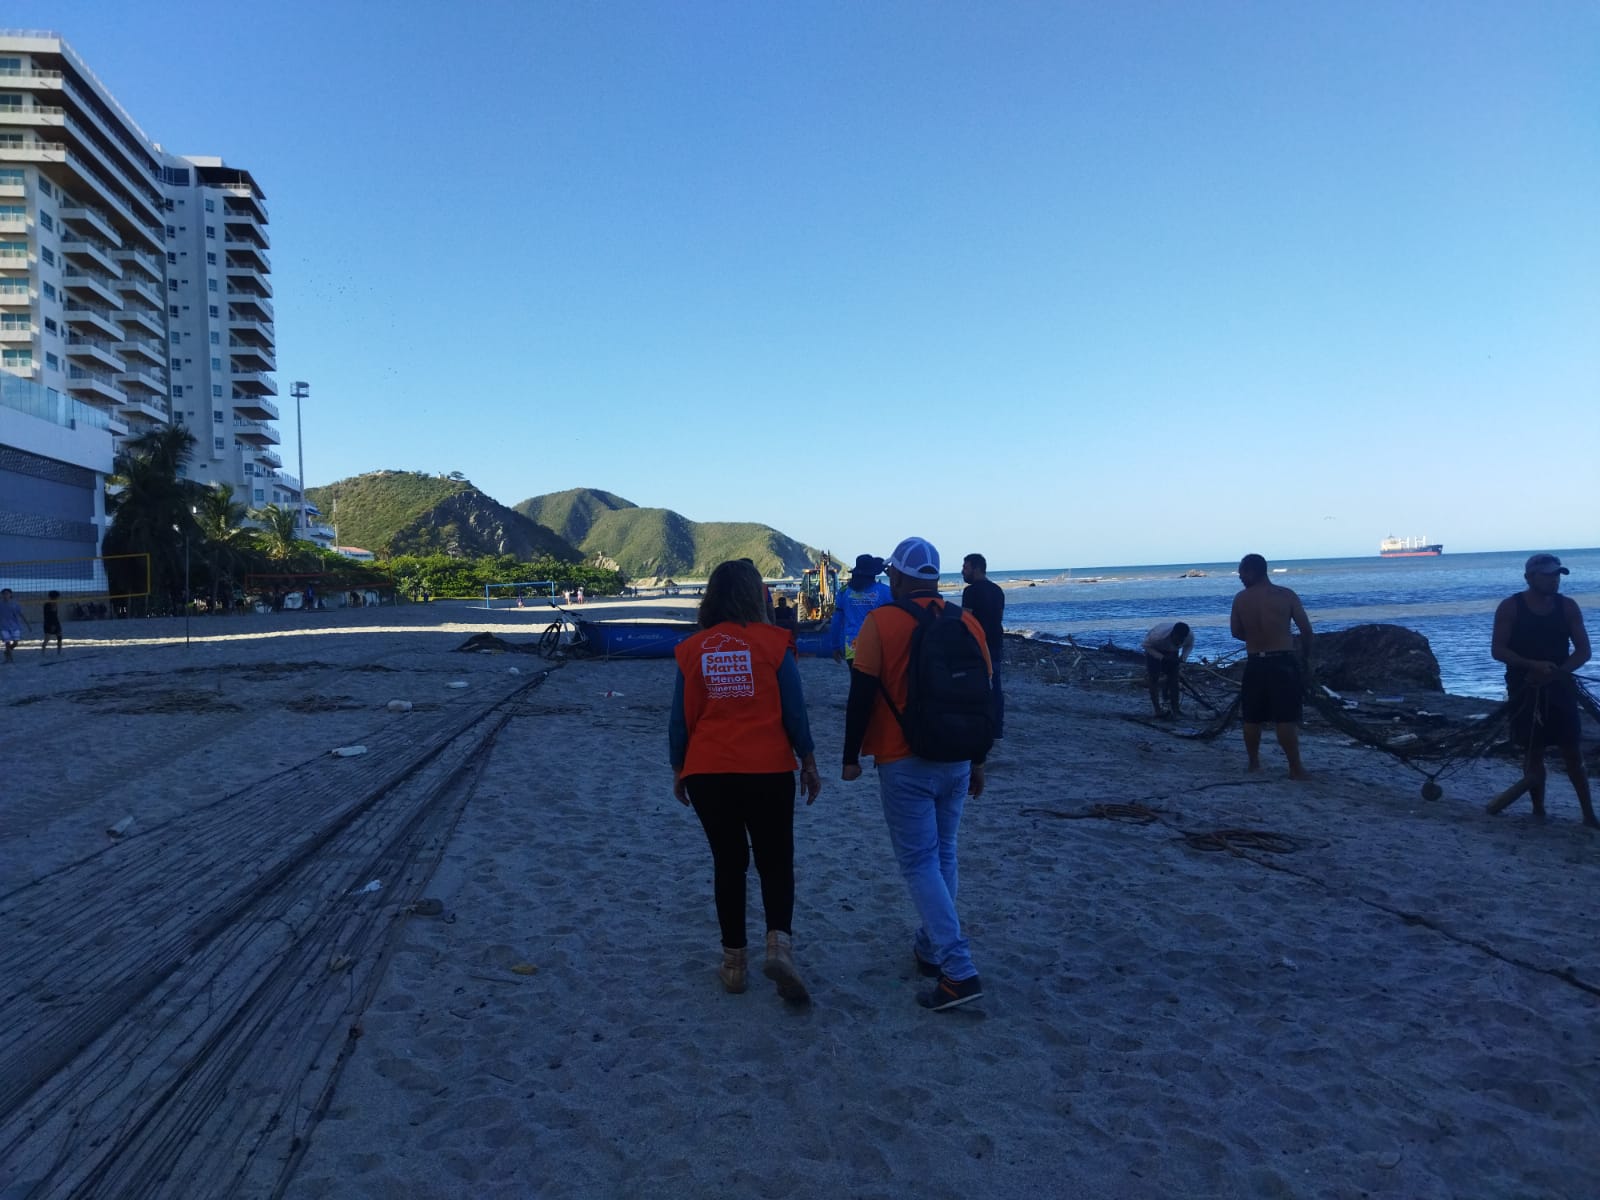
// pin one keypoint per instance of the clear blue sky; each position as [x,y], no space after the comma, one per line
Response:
[1070,284]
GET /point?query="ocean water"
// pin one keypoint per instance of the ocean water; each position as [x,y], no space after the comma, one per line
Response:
[1450,600]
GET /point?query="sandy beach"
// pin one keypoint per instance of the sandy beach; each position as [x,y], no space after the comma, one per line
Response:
[1402,1000]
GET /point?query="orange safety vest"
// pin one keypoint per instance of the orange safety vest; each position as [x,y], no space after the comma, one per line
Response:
[730,700]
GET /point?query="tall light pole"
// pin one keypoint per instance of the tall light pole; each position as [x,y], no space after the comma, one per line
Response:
[301,391]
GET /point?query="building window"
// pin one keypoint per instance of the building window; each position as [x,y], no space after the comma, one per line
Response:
[172,285]
[216,338]
[50,325]
[172,257]
[172,311]
[177,363]
[212,312]
[211,206]
[216,391]
[171,232]
[44,187]
[51,361]
[49,290]
[174,338]
[47,221]
[211,258]
[177,391]
[260,495]
[211,231]
[47,255]
[219,443]
[216,364]
[216,416]
[211,285]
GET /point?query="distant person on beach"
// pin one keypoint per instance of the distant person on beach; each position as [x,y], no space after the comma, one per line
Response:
[1540,636]
[783,615]
[861,594]
[984,599]
[1166,648]
[11,622]
[922,796]
[1274,676]
[52,622]
[738,723]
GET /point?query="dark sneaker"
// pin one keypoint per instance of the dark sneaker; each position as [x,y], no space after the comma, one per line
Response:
[950,993]
[925,968]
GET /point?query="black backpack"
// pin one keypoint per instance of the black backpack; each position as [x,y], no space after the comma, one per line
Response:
[949,714]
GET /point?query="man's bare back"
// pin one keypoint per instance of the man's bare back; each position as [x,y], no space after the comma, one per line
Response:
[1261,616]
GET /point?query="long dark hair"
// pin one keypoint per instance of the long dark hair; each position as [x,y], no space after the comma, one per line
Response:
[733,593]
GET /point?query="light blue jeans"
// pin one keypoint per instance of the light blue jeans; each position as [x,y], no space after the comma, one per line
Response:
[922,804]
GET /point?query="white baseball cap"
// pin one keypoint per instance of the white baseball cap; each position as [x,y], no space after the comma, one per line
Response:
[917,558]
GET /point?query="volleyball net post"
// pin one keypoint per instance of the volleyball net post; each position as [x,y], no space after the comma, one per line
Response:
[517,595]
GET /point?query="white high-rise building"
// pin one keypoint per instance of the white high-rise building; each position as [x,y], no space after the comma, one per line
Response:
[134,292]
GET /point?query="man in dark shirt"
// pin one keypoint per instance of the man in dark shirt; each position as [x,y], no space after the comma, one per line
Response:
[984,600]
[1532,632]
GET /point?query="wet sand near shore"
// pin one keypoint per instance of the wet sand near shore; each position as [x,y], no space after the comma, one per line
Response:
[1397,999]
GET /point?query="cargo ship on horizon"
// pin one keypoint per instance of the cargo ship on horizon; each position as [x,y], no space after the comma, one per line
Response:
[1393,547]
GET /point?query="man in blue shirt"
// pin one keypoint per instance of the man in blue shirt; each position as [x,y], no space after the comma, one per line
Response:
[862,594]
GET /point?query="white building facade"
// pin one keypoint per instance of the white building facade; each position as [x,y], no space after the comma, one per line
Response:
[134,290]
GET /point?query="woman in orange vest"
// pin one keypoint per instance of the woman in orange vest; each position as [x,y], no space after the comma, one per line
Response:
[738,724]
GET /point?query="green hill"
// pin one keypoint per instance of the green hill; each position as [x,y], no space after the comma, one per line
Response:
[657,542]
[572,513]
[407,512]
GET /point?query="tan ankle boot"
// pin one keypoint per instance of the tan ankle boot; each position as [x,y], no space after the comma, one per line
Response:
[780,968]
[732,971]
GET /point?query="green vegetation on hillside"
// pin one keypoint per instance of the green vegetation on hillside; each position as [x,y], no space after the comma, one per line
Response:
[646,542]
[372,508]
[444,576]
[572,513]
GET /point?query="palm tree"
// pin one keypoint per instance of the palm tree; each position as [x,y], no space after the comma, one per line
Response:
[278,528]
[221,521]
[150,502]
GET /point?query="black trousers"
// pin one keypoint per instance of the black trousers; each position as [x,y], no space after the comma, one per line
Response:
[741,814]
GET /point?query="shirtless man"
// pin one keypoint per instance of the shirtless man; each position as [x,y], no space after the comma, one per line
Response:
[1533,631]
[1273,675]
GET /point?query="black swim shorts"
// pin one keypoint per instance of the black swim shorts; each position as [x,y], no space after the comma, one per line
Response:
[1548,711]
[1271,691]
[1156,669]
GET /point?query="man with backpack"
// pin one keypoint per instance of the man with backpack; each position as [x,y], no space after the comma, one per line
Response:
[920,706]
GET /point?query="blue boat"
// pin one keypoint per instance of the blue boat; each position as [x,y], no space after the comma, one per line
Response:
[658,639]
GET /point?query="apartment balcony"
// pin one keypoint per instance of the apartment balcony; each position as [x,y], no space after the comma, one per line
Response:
[144,288]
[88,285]
[92,386]
[257,433]
[88,216]
[15,258]
[243,227]
[149,263]
[132,182]
[149,349]
[31,115]
[242,198]
[140,318]
[143,412]
[33,152]
[31,79]
[142,380]
[245,307]
[249,330]
[16,291]
[18,332]
[247,357]
[243,277]
[15,223]
[12,187]
[255,408]
[247,253]
[253,383]
[90,319]
[269,457]
[94,353]
[88,250]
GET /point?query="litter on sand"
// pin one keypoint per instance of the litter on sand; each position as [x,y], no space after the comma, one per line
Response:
[610,695]
[375,885]
[121,828]
[348,751]
[456,683]
[399,706]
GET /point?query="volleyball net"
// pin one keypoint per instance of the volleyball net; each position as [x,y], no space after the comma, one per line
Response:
[520,595]
[110,577]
